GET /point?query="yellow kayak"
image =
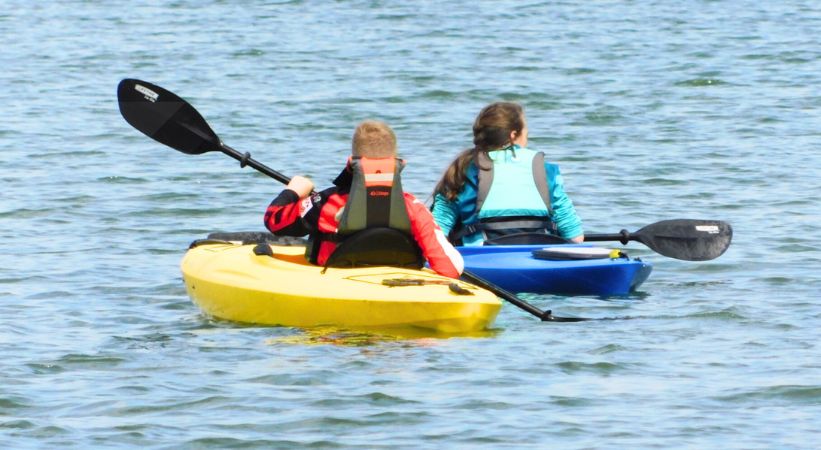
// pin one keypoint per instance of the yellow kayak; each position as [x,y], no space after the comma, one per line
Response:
[229,281]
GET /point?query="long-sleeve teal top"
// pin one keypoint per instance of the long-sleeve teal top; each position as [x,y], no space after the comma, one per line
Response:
[453,214]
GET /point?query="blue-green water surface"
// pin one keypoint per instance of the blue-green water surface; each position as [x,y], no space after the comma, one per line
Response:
[654,110]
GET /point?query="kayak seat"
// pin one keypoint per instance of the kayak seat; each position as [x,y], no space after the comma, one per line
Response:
[526,239]
[378,246]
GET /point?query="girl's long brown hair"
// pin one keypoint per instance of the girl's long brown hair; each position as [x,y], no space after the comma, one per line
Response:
[491,131]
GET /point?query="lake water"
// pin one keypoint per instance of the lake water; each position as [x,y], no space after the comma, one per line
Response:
[654,110]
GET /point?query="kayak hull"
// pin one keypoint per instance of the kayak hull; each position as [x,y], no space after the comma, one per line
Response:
[230,282]
[514,268]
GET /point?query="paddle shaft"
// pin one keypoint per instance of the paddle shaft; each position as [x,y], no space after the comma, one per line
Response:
[246,160]
[623,237]
[544,316]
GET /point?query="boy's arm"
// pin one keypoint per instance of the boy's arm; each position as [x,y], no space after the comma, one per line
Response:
[284,215]
[442,257]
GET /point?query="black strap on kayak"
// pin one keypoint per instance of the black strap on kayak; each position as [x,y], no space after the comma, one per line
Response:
[256,237]
[199,242]
[452,285]
[246,238]
[263,250]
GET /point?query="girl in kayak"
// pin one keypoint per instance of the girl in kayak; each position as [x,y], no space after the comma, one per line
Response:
[363,211]
[501,190]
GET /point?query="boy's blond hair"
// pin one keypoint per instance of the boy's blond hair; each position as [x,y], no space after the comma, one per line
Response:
[373,139]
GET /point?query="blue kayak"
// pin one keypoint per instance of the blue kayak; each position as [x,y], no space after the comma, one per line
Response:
[564,269]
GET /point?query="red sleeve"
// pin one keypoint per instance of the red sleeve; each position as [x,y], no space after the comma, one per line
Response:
[442,257]
[284,211]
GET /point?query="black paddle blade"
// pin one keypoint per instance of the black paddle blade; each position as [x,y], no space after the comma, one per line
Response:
[687,239]
[165,117]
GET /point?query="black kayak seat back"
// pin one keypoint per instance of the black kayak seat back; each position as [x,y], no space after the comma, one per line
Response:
[380,246]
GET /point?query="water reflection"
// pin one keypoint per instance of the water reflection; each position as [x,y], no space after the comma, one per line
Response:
[365,337]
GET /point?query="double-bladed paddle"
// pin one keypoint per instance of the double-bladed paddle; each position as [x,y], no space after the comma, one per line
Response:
[170,120]
[686,239]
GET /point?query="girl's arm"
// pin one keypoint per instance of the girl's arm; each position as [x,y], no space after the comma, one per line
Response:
[565,217]
[445,213]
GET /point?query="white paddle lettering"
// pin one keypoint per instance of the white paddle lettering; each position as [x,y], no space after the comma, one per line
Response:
[148,93]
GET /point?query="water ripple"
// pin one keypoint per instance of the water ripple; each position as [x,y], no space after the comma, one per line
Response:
[653,111]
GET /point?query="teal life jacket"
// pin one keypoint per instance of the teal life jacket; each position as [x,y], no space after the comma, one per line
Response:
[513,196]
[374,228]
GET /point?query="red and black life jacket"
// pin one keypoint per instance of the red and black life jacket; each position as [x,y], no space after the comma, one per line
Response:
[374,228]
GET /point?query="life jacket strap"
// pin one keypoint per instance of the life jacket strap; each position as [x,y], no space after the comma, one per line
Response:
[540,178]
[485,165]
[505,225]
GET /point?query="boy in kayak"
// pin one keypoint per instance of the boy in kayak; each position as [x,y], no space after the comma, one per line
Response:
[500,189]
[366,198]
